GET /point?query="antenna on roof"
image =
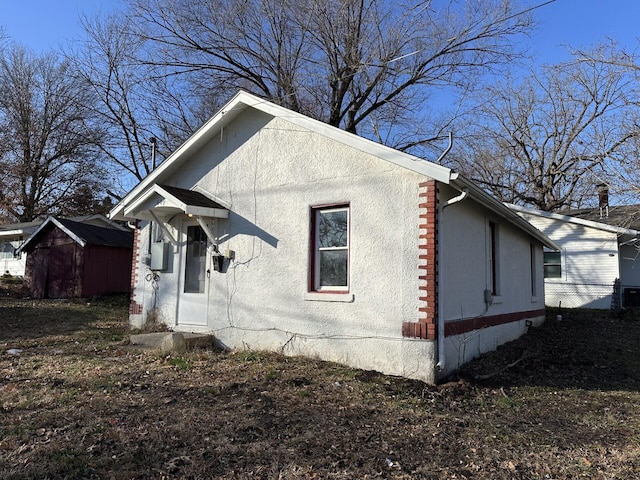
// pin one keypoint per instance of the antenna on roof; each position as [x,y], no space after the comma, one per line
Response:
[446,149]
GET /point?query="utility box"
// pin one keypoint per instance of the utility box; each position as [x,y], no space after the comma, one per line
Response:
[631,297]
[159,256]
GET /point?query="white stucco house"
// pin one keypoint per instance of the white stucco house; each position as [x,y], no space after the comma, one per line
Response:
[275,231]
[597,246]
[13,236]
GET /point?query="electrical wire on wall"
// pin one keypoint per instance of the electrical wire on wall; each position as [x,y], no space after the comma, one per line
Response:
[153,278]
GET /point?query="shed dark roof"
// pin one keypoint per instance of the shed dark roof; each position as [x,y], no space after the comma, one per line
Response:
[82,233]
[95,235]
[191,197]
[623,216]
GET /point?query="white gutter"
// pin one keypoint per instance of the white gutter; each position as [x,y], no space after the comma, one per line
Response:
[440,296]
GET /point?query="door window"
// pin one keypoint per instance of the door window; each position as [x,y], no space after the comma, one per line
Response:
[196,260]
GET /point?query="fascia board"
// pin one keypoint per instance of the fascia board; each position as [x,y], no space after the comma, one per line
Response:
[75,237]
[11,233]
[206,212]
[201,136]
[53,220]
[483,198]
[243,100]
[172,201]
[135,203]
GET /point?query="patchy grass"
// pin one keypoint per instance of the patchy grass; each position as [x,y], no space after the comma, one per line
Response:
[79,402]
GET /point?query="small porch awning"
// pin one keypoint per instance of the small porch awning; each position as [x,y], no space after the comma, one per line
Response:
[163,201]
[160,203]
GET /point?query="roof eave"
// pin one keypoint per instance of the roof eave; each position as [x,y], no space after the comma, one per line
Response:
[44,224]
[461,183]
[578,221]
[243,100]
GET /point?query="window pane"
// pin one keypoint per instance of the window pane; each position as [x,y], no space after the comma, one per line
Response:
[332,229]
[333,268]
[6,250]
[552,271]
[552,257]
[552,264]
[196,260]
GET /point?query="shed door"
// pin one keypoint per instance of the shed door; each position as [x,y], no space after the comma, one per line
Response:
[62,271]
[40,271]
[194,278]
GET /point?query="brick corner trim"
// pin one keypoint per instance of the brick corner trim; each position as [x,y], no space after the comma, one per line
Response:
[135,308]
[425,327]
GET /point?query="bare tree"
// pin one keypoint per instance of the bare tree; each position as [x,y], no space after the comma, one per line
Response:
[367,66]
[544,142]
[623,175]
[134,103]
[106,63]
[47,141]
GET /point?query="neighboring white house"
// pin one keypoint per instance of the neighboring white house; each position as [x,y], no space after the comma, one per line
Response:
[275,231]
[11,238]
[592,256]
[13,235]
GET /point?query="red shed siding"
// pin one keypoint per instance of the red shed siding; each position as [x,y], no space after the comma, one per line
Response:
[52,268]
[106,270]
[59,267]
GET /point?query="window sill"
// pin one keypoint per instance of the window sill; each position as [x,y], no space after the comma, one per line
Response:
[328,297]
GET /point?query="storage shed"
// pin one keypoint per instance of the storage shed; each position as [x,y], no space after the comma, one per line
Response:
[70,259]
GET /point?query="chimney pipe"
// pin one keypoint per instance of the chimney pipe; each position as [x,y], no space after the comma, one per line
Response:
[603,199]
[153,152]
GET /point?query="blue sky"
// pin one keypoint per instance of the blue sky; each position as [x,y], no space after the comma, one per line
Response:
[583,23]
[43,24]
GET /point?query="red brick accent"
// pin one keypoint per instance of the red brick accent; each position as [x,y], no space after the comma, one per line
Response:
[463,326]
[426,326]
[135,308]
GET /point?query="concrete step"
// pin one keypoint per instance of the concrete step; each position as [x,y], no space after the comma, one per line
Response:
[172,341]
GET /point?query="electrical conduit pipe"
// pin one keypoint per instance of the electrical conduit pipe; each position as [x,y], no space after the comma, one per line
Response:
[441,356]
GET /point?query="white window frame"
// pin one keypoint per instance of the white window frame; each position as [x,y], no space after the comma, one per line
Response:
[7,254]
[316,249]
[545,263]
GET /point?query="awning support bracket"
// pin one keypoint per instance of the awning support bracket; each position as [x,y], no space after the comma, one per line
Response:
[208,232]
[163,227]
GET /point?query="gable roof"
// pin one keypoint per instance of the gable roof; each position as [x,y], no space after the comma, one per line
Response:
[576,220]
[83,234]
[170,200]
[243,101]
[12,229]
[623,216]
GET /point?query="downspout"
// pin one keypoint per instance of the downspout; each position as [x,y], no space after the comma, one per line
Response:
[441,355]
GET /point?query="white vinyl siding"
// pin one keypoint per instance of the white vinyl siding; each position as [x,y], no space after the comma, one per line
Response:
[589,261]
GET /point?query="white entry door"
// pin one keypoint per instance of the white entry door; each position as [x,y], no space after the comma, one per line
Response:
[194,277]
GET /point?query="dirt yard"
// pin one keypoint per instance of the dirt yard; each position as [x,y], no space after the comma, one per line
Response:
[76,402]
